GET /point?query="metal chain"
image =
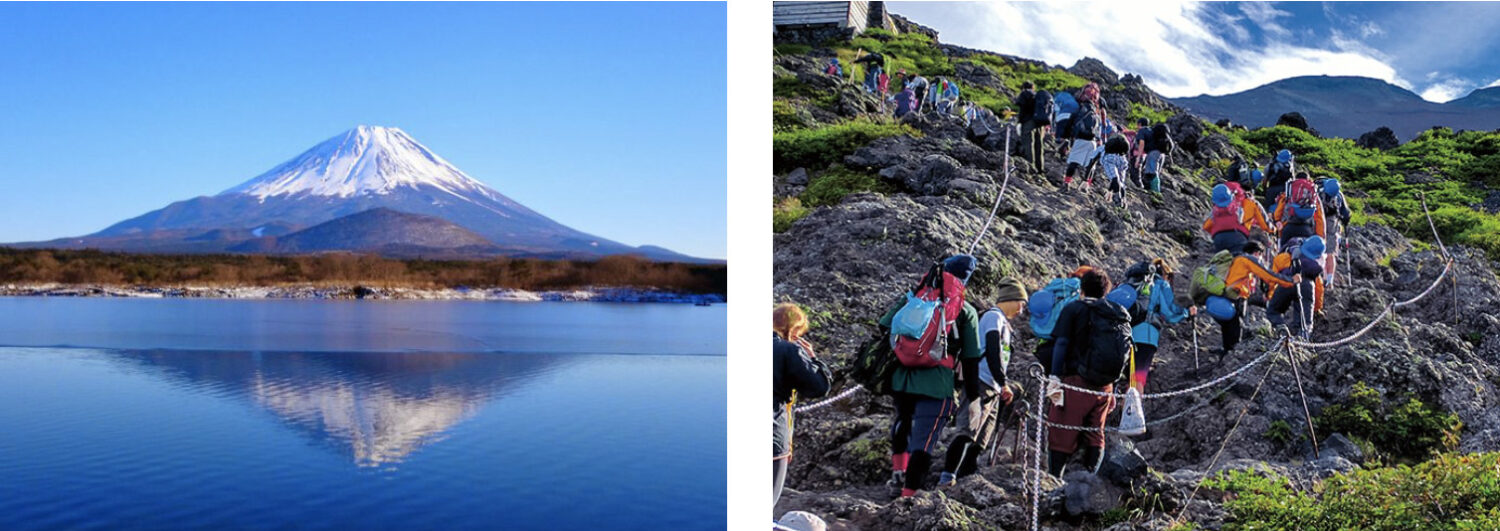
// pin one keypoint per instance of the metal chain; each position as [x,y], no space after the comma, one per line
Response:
[1036,457]
[830,400]
[1179,392]
[1371,326]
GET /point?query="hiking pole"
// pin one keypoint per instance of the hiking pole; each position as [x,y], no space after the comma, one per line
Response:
[1194,323]
[1307,414]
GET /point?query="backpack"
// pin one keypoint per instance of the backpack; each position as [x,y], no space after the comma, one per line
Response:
[1117,145]
[1135,297]
[1212,279]
[1085,122]
[875,364]
[1046,109]
[1245,176]
[1278,174]
[1161,138]
[1302,199]
[919,330]
[1228,218]
[1065,102]
[1047,303]
[1104,357]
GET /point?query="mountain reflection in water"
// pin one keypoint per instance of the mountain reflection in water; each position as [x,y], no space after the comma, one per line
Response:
[376,407]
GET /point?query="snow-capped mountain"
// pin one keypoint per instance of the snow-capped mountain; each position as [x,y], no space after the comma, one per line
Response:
[355,171]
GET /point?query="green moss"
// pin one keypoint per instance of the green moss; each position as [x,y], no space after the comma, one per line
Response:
[1280,432]
[1155,116]
[1449,492]
[786,212]
[817,148]
[872,453]
[1403,429]
[792,49]
[787,117]
[830,187]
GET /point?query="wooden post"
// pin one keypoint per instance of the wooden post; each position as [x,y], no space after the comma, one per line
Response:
[1291,353]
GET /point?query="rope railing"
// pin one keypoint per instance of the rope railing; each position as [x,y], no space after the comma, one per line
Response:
[830,400]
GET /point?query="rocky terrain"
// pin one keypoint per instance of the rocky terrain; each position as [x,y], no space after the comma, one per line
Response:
[848,262]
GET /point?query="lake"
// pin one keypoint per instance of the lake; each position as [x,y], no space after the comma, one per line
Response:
[173,413]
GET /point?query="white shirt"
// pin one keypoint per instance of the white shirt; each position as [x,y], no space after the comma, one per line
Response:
[993,319]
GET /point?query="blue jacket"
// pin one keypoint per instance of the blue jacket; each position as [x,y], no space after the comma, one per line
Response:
[1164,305]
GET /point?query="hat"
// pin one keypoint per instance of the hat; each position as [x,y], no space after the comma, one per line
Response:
[1284,155]
[961,266]
[1011,290]
[802,521]
[1313,248]
[1331,187]
[1222,197]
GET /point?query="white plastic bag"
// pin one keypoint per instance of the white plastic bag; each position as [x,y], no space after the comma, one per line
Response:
[1133,418]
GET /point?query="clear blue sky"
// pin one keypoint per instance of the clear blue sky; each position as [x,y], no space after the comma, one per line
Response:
[1439,50]
[608,117]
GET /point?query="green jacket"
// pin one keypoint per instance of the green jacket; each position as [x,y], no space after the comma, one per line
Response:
[938,382]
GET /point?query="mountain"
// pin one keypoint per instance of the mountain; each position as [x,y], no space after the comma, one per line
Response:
[362,169]
[1346,106]
[379,231]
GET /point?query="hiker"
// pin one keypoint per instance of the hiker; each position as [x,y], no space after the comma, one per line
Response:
[923,395]
[984,128]
[1278,173]
[1139,146]
[946,99]
[1305,258]
[1084,130]
[1336,216]
[1298,213]
[905,102]
[1224,284]
[1092,349]
[1147,294]
[1232,218]
[1159,147]
[834,68]
[876,66]
[1046,305]
[1066,106]
[794,369]
[918,84]
[1115,166]
[882,84]
[1037,111]
[983,381]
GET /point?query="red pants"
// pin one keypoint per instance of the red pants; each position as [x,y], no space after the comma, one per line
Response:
[1079,409]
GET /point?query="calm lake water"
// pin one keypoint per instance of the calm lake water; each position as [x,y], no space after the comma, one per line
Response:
[150,414]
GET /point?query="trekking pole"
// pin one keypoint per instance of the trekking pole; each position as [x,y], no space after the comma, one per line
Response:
[1194,323]
[1307,414]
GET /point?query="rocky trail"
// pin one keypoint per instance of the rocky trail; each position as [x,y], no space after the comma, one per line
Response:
[847,262]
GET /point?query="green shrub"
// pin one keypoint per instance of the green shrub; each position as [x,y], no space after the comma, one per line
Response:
[831,186]
[787,117]
[786,212]
[1405,429]
[792,49]
[819,147]
[1155,116]
[1449,492]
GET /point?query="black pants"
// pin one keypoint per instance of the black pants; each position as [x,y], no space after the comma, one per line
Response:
[1033,144]
[1285,299]
[1230,240]
[1044,354]
[1234,328]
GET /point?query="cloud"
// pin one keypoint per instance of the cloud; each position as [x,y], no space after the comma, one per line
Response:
[1495,83]
[1445,89]
[1174,46]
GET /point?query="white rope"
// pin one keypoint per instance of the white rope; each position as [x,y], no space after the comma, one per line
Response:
[1178,392]
[1371,326]
[830,400]
[1036,457]
[1005,168]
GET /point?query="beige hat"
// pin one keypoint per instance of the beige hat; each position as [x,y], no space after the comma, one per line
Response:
[803,521]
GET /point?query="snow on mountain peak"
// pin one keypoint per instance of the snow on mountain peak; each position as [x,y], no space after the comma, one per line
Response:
[363,160]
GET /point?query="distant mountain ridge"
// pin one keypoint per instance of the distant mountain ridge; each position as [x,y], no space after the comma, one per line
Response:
[365,169]
[1348,106]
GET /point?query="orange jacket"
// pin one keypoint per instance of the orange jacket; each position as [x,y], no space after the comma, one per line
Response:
[1283,261]
[1251,216]
[1243,272]
[1282,212]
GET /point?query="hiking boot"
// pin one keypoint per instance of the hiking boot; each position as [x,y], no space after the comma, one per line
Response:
[946,479]
[897,482]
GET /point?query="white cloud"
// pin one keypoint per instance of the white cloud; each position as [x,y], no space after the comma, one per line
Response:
[1447,89]
[1169,44]
[1495,83]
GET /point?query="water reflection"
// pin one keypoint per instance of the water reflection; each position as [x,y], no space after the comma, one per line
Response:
[376,407]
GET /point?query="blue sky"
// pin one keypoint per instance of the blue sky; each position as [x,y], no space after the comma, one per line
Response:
[609,118]
[1439,50]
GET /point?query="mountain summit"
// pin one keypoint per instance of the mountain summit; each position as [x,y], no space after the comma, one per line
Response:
[363,160]
[361,169]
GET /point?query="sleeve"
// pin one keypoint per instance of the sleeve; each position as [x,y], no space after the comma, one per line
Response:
[1208,224]
[992,348]
[1320,226]
[1318,294]
[971,378]
[968,332]
[809,376]
[1166,303]
[1280,209]
[1256,215]
[1063,331]
[1344,213]
[1264,275]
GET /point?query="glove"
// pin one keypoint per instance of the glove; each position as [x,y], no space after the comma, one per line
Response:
[1055,391]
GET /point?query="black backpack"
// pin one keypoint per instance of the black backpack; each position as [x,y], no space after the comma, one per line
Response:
[1161,138]
[1107,353]
[875,364]
[1083,123]
[1046,109]
[1117,145]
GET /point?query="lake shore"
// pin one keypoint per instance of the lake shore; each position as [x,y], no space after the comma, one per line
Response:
[589,294]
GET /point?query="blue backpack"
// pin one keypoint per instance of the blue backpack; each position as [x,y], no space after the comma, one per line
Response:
[1047,303]
[1065,103]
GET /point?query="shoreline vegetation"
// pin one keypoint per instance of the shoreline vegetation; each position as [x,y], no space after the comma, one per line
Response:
[85,273]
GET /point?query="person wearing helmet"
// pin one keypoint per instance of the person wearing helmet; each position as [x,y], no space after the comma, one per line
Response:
[1278,172]
[1298,213]
[1244,271]
[1233,216]
[1336,220]
[1304,258]
[924,396]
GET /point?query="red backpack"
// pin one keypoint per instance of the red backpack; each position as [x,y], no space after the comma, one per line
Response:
[1228,218]
[939,299]
[1302,199]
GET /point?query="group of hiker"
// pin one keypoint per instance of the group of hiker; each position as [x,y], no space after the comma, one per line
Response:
[1300,238]
[1091,140]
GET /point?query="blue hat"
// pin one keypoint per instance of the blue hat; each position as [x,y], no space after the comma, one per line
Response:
[1284,156]
[1331,187]
[961,266]
[1313,248]
[1222,197]
[1256,176]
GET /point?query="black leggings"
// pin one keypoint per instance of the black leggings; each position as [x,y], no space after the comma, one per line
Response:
[1234,328]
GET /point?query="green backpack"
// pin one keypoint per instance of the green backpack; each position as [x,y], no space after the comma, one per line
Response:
[1212,279]
[875,364]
